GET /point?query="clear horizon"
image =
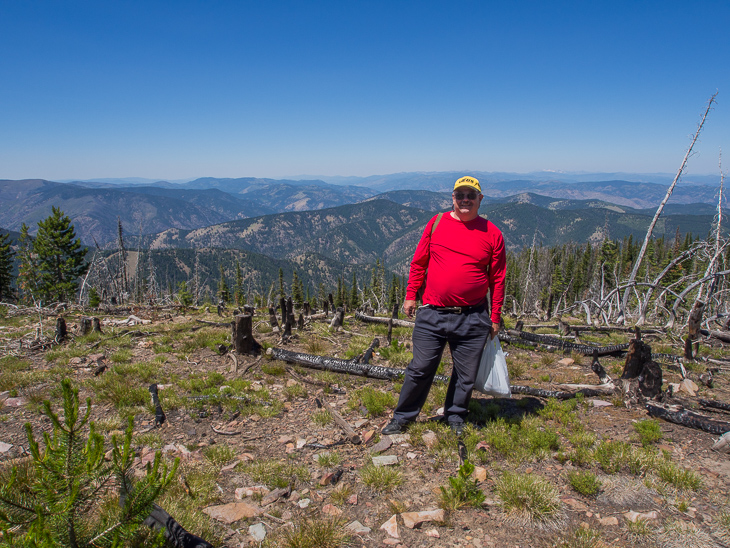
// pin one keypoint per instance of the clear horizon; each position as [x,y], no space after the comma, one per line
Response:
[181,90]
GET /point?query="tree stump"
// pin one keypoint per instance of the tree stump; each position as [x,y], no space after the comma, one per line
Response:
[300,322]
[248,309]
[242,335]
[326,308]
[338,319]
[85,326]
[97,325]
[61,331]
[641,368]
[306,310]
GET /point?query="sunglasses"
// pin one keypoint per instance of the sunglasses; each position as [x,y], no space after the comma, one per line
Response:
[467,195]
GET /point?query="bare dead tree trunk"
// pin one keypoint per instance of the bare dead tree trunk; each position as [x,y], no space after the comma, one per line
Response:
[272,318]
[242,335]
[637,264]
[61,331]
[85,326]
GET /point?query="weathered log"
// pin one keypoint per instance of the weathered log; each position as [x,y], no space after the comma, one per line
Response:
[560,395]
[242,335]
[566,345]
[606,389]
[159,413]
[172,530]
[341,422]
[375,319]
[723,336]
[85,326]
[325,363]
[689,419]
[61,331]
[714,404]
[599,370]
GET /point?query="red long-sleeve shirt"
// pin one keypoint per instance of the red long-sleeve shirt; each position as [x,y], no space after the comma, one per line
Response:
[464,260]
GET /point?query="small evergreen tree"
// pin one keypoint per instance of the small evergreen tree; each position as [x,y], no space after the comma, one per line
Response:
[282,289]
[183,295]
[354,300]
[59,500]
[224,294]
[94,299]
[297,291]
[28,267]
[6,267]
[60,257]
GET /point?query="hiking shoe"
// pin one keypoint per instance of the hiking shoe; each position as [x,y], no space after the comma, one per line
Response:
[394,427]
[457,428]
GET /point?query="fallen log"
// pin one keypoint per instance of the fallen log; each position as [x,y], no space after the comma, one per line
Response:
[376,319]
[336,365]
[341,422]
[689,419]
[547,340]
[714,404]
[607,389]
[723,336]
[557,394]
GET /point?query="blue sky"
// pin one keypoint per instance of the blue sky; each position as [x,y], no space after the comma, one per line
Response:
[186,89]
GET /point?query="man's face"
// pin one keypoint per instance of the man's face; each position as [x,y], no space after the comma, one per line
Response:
[467,200]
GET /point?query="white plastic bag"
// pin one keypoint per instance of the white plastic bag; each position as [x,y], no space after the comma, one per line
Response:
[492,377]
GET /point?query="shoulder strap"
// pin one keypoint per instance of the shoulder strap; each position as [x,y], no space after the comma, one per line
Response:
[436,222]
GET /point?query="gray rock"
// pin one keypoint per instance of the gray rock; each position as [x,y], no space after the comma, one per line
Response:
[257,532]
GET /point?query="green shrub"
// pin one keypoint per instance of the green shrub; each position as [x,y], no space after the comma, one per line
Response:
[649,431]
[528,498]
[586,483]
[462,490]
[375,402]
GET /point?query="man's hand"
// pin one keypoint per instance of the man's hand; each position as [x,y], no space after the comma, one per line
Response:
[409,307]
[494,331]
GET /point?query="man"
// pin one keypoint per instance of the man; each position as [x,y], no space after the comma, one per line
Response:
[465,258]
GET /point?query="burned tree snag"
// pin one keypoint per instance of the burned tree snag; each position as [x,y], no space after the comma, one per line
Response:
[97,325]
[282,305]
[61,331]
[242,335]
[368,354]
[272,318]
[331,301]
[641,373]
[306,310]
[694,324]
[159,413]
[300,322]
[394,314]
[599,370]
[326,309]
[85,326]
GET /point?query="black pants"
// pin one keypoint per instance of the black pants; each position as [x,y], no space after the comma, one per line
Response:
[466,335]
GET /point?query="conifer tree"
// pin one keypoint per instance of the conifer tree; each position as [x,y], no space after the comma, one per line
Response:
[6,267]
[60,257]
[354,300]
[58,501]
[224,294]
[297,291]
[282,290]
[28,267]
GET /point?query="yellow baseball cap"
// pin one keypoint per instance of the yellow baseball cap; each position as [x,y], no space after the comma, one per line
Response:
[468,181]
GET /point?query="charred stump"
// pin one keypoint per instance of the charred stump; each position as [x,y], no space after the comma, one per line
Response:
[368,354]
[96,325]
[61,331]
[641,375]
[248,309]
[85,326]
[282,306]
[242,335]
[306,310]
[300,322]
[159,413]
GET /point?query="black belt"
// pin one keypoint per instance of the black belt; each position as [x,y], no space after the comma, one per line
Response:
[457,309]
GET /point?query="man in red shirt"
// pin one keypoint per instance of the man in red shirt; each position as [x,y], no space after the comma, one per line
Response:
[465,258]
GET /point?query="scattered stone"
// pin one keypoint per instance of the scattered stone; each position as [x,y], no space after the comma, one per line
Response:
[400,438]
[352,500]
[566,361]
[576,505]
[243,492]
[326,478]
[430,439]
[368,436]
[285,439]
[385,460]
[331,510]
[608,521]
[76,361]
[5,447]
[392,542]
[411,455]
[257,532]
[15,402]
[232,512]
[633,517]
[391,526]
[689,387]
[433,533]
[289,448]
[360,423]
[304,503]
[413,519]
[357,528]
[384,443]
[230,466]
[301,442]
[601,403]
[273,496]
[291,382]
[480,473]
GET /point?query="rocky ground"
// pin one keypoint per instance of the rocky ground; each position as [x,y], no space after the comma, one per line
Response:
[262,462]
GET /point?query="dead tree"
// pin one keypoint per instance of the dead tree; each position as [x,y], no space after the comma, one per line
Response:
[338,319]
[272,318]
[282,307]
[61,331]
[368,354]
[625,299]
[242,335]
[376,319]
